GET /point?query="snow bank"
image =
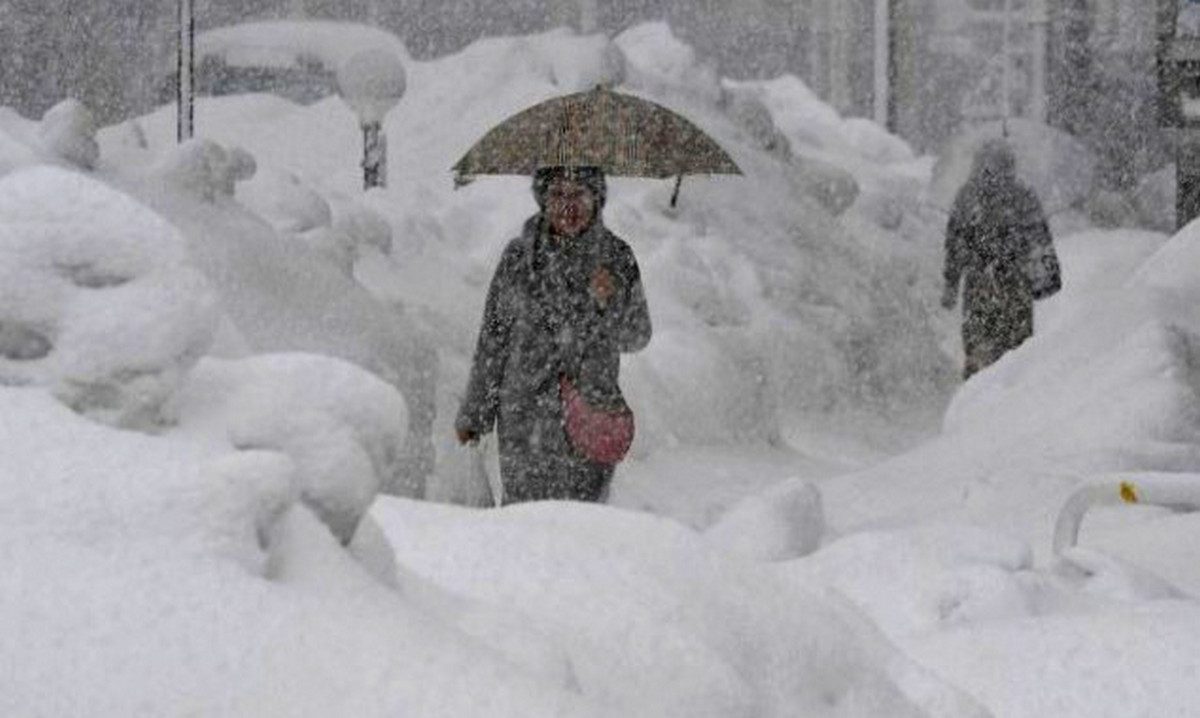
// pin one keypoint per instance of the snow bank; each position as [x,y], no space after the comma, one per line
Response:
[1125,661]
[282,296]
[341,427]
[282,199]
[68,133]
[928,579]
[97,301]
[1105,385]
[660,63]
[785,522]
[938,545]
[809,123]
[658,623]
[13,152]
[149,576]
[65,136]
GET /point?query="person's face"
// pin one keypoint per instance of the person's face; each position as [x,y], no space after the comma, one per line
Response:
[570,206]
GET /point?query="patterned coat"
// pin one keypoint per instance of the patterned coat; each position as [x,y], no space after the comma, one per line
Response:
[540,321]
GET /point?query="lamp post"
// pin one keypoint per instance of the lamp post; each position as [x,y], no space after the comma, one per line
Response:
[185,73]
[372,83]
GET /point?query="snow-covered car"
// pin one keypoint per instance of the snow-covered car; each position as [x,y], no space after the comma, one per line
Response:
[290,58]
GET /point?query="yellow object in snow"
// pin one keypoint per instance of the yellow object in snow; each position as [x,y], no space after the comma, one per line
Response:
[1128,493]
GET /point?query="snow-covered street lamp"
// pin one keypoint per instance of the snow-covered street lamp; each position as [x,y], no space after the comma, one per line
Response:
[372,83]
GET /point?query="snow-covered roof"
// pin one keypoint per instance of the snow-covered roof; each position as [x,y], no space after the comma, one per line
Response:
[282,43]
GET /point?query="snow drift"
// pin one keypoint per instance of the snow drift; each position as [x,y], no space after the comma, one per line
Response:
[97,300]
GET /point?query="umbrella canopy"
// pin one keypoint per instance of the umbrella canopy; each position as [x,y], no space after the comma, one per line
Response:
[620,134]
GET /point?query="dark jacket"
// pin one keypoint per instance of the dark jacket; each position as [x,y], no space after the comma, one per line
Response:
[998,244]
[541,321]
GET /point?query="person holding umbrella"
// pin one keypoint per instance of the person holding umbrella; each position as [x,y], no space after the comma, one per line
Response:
[567,299]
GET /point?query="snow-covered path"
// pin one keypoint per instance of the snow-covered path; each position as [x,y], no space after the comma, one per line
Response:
[696,485]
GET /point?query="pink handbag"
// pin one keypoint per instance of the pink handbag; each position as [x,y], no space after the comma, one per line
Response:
[599,435]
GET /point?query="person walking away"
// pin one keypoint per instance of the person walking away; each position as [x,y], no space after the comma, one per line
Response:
[998,244]
[565,301]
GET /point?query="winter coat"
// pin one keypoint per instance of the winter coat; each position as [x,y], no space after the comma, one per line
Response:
[540,321]
[998,242]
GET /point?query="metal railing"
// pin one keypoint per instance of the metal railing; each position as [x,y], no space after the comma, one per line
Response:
[1167,490]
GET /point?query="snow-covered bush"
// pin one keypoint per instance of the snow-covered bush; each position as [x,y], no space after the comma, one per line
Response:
[297,211]
[362,226]
[280,296]
[287,203]
[341,426]
[97,300]
[68,133]
[337,227]
[206,169]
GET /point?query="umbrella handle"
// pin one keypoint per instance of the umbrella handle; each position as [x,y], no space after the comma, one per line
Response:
[675,194]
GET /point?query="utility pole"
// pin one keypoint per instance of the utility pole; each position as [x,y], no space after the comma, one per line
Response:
[840,50]
[1040,21]
[1007,68]
[185,75]
[883,64]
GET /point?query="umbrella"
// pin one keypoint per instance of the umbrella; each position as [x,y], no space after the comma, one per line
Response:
[621,134]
